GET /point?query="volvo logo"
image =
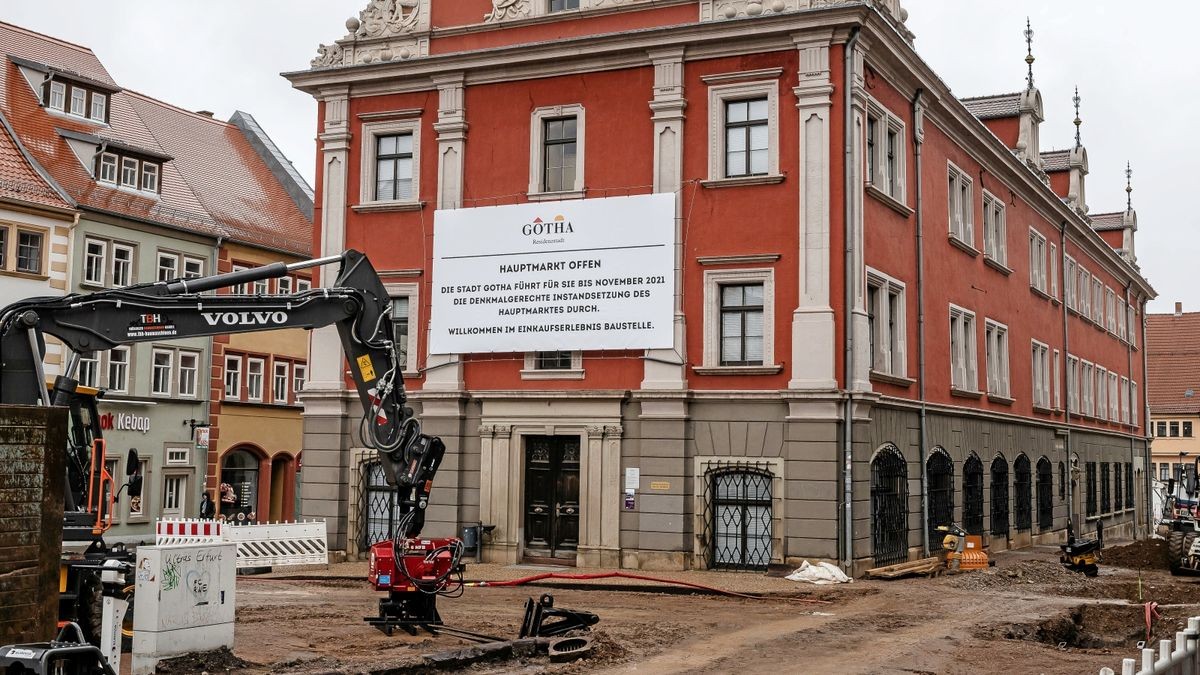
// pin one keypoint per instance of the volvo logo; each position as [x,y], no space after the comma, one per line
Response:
[245,318]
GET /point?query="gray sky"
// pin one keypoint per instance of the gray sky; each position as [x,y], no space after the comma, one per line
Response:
[225,55]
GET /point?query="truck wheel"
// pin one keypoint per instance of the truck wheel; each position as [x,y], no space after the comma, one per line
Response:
[1174,550]
[1187,548]
[89,606]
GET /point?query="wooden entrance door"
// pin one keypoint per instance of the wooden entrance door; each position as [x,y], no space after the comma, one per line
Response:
[552,498]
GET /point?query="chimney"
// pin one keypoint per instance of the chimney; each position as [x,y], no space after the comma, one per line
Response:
[206,113]
[1179,309]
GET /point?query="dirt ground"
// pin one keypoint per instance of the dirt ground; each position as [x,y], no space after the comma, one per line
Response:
[1026,615]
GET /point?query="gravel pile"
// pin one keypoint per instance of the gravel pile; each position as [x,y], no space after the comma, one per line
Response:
[1024,573]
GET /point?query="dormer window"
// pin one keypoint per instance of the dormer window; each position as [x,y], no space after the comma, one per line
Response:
[129,172]
[562,5]
[76,99]
[99,107]
[149,177]
[108,168]
[58,96]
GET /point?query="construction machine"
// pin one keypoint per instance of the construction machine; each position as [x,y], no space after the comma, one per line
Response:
[94,585]
[1179,523]
[962,551]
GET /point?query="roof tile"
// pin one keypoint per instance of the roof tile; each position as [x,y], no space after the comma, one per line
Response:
[994,106]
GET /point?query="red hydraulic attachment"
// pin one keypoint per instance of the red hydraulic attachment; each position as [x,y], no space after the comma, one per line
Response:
[428,568]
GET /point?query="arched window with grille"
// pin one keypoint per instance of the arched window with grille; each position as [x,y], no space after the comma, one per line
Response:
[741,519]
[378,503]
[889,506]
[940,472]
[1045,495]
[1022,493]
[973,495]
[999,496]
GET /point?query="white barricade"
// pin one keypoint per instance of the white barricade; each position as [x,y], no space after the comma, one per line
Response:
[264,545]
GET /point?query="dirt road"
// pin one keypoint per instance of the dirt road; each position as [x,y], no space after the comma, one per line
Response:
[1028,615]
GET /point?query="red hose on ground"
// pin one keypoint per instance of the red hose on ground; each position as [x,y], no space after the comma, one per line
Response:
[626,575]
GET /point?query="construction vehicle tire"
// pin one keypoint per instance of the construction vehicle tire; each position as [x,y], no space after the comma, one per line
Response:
[1175,550]
[90,606]
[1187,547]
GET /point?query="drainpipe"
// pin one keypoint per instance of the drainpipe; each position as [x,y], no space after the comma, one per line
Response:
[1129,355]
[848,301]
[1066,366]
[918,143]
[1145,410]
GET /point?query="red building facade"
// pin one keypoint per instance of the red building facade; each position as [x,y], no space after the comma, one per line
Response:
[880,313]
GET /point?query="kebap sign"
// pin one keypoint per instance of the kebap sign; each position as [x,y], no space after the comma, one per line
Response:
[570,275]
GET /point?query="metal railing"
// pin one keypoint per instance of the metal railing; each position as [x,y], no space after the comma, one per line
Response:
[1180,656]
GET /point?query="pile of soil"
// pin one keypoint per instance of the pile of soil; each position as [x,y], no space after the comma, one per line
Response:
[1147,554]
[217,661]
[1156,589]
[1026,572]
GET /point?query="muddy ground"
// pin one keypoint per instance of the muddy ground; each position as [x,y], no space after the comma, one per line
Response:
[1027,615]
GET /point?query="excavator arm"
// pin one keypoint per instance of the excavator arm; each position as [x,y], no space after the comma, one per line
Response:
[357,303]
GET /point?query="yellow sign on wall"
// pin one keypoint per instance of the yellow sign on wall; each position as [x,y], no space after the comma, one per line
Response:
[660,485]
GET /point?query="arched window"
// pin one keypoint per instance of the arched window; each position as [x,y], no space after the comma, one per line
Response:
[940,472]
[741,512]
[379,508]
[1045,495]
[239,486]
[999,496]
[1022,493]
[973,495]
[889,506]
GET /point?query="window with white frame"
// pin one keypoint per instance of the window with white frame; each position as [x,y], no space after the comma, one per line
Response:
[107,173]
[1072,384]
[995,238]
[1057,380]
[743,130]
[178,454]
[279,382]
[30,250]
[254,378]
[391,163]
[1133,403]
[1084,285]
[129,172]
[404,320]
[996,344]
[961,206]
[262,286]
[122,265]
[168,266]
[160,380]
[964,368]
[1121,311]
[78,101]
[1130,323]
[556,151]
[400,328]
[1097,301]
[739,317]
[1114,407]
[58,96]
[1087,376]
[1041,374]
[242,288]
[886,324]
[192,267]
[94,255]
[299,370]
[1125,400]
[284,284]
[99,107]
[1101,393]
[174,487]
[1070,274]
[1053,265]
[562,5]
[189,369]
[233,378]
[553,364]
[1037,260]
[1110,307]
[886,152]
[118,369]
[89,369]
[303,284]
[149,177]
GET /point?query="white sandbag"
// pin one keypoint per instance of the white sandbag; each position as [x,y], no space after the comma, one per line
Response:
[821,574]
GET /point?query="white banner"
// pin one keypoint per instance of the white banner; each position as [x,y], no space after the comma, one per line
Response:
[545,276]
